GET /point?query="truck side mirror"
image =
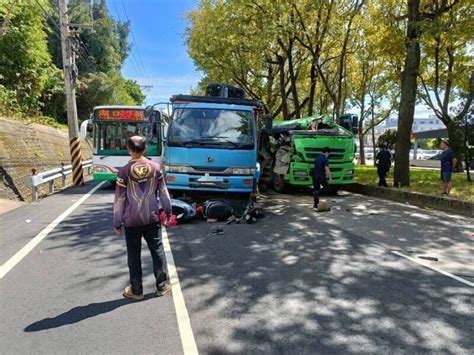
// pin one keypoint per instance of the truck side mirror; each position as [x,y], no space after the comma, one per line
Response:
[85,128]
[148,111]
[268,121]
[355,124]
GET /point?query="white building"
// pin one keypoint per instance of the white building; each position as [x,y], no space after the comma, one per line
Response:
[419,125]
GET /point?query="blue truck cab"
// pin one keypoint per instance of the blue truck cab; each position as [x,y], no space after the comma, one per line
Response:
[211,145]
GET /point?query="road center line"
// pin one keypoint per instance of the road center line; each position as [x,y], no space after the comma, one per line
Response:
[184,323]
[15,259]
[434,268]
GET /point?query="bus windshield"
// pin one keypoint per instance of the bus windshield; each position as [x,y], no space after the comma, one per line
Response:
[212,128]
[111,137]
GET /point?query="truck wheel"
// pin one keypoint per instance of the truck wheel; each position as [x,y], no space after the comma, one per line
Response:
[333,189]
[279,183]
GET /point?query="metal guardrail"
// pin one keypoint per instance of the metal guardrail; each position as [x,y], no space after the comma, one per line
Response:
[49,176]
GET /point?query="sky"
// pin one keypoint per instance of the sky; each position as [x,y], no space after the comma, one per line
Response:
[158,56]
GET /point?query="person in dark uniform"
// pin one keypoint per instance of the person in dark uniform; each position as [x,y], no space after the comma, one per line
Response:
[321,174]
[383,160]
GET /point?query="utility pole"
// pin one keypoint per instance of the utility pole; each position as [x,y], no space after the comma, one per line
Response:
[69,78]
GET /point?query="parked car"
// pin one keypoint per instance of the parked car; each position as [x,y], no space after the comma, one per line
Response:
[369,153]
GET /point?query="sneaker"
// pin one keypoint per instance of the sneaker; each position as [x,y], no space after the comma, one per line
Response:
[161,291]
[127,293]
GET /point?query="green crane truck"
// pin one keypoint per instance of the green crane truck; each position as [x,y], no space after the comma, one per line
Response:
[288,149]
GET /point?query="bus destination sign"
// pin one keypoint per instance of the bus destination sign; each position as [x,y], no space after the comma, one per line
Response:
[119,115]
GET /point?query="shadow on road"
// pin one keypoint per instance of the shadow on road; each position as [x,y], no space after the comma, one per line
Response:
[78,314]
[298,282]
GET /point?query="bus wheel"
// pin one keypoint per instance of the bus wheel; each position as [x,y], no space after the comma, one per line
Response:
[279,183]
[113,183]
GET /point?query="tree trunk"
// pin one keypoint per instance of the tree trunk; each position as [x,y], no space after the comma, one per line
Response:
[456,142]
[361,127]
[294,89]
[284,103]
[312,89]
[408,96]
[373,132]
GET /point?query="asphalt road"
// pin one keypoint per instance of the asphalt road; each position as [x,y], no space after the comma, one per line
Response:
[294,282]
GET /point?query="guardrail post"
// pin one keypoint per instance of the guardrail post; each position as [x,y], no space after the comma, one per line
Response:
[51,186]
[34,189]
[63,178]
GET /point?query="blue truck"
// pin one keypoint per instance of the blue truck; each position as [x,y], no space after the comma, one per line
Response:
[211,144]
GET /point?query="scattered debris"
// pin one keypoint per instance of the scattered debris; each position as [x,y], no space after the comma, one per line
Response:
[182,209]
[220,210]
[432,258]
[217,231]
[323,206]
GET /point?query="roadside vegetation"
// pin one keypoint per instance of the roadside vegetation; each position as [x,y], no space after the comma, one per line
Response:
[316,57]
[422,180]
[31,76]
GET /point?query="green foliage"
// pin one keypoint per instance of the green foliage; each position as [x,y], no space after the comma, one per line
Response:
[27,73]
[31,79]
[433,143]
[388,139]
[106,89]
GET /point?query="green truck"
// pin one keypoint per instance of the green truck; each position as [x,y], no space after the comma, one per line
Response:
[288,149]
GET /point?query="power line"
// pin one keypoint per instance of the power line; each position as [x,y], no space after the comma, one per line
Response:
[133,57]
[50,18]
[153,90]
[85,55]
[134,41]
[139,68]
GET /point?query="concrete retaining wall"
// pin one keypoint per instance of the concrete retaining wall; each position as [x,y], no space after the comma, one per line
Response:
[26,146]
[414,198]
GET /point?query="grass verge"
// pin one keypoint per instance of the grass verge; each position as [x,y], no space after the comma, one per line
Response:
[421,180]
[43,120]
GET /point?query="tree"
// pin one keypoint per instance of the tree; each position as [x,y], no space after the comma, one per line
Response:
[417,19]
[294,57]
[447,77]
[106,89]
[375,80]
[27,73]
[388,139]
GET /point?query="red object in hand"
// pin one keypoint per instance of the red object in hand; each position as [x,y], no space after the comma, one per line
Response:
[168,222]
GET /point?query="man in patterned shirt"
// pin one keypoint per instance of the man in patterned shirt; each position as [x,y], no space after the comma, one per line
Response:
[139,185]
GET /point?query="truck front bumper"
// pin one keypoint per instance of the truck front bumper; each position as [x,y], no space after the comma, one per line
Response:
[240,184]
[301,173]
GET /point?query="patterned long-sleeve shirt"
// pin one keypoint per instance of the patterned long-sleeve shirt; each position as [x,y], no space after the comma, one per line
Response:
[139,185]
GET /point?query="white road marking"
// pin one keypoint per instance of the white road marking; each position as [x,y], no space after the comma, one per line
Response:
[434,268]
[15,259]
[184,323]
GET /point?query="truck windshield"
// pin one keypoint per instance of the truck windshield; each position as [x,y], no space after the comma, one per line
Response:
[111,137]
[212,128]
